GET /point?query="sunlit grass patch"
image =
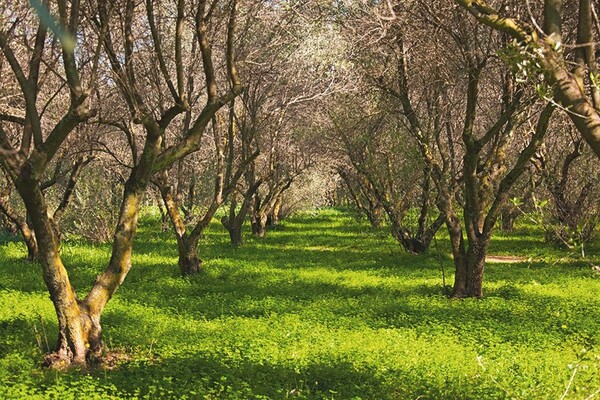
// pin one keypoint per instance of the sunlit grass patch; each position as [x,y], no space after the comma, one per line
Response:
[323,307]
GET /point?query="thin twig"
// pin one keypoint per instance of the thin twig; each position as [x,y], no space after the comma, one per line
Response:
[593,395]
[569,384]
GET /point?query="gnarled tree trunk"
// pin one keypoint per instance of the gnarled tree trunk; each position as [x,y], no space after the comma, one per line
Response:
[258,221]
[78,327]
[189,262]
[468,281]
[187,244]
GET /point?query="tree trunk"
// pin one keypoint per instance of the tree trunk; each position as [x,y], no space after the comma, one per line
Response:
[79,333]
[259,225]
[458,250]
[187,244]
[189,262]
[476,264]
[275,212]
[468,280]
[374,214]
[30,242]
[79,338]
[509,215]
[234,223]
[234,227]
[164,216]
[235,234]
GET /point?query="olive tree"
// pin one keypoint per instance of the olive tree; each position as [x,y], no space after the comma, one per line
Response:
[545,53]
[108,34]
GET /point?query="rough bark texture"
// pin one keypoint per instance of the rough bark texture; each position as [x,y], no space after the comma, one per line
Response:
[509,216]
[78,329]
[234,227]
[468,281]
[258,222]
[189,262]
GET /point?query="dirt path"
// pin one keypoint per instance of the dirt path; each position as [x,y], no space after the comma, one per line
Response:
[505,259]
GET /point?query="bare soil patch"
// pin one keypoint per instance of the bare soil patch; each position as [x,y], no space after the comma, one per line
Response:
[506,259]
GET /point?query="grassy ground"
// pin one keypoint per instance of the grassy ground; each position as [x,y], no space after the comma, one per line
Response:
[323,308]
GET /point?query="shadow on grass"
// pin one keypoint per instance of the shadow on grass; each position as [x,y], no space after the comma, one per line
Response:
[507,315]
[219,374]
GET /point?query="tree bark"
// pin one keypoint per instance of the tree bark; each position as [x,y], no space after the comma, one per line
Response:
[468,278]
[233,223]
[274,214]
[259,224]
[79,333]
[234,227]
[189,262]
[475,262]
[187,244]
[21,224]
[30,242]
[509,216]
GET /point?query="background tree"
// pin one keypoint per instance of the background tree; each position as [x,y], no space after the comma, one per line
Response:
[473,155]
[388,172]
[544,53]
[112,29]
[562,165]
[227,169]
[286,84]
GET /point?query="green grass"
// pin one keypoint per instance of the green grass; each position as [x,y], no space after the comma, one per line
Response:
[323,308]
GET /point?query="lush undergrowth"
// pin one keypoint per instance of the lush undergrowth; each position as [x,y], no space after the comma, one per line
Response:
[324,307]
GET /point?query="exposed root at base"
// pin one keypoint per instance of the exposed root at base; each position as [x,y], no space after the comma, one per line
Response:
[108,361]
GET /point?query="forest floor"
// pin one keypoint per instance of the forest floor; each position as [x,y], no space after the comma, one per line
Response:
[324,307]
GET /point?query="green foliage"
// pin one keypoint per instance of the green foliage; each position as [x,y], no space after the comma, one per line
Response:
[526,62]
[323,308]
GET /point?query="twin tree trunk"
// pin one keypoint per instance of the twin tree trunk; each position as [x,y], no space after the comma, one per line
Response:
[235,222]
[259,224]
[235,230]
[79,332]
[469,260]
